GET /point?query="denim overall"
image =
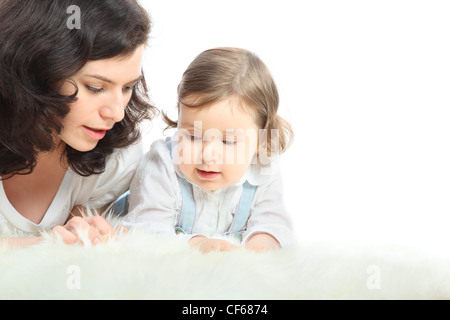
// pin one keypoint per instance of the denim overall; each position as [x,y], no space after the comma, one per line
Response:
[188,212]
[120,206]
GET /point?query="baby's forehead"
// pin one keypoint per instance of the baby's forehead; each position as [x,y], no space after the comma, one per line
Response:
[198,128]
[221,116]
[230,106]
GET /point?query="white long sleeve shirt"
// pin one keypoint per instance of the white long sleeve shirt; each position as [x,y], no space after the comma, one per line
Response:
[156,199]
[94,191]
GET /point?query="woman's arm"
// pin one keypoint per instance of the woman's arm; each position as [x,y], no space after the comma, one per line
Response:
[95,227]
[16,243]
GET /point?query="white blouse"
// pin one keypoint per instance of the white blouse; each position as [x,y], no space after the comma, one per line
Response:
[94,191]
[155,200]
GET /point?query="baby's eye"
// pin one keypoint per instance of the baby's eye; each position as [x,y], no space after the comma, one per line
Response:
[194,137]
[229,142]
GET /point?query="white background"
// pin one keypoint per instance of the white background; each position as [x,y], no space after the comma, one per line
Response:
[365,85]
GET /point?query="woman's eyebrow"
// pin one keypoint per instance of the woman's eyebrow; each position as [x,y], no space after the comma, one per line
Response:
[102,78]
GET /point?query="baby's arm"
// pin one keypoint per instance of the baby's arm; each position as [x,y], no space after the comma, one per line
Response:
[152,193]
[269,226]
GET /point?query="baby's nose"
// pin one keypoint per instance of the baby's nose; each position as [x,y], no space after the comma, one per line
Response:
[212,152]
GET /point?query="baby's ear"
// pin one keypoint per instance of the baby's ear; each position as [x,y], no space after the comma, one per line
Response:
[268,141]
[263,153]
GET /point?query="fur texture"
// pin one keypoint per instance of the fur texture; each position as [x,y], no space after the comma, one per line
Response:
[141,266]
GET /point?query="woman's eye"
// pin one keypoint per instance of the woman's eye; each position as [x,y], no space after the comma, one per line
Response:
[130,88]
[93,89]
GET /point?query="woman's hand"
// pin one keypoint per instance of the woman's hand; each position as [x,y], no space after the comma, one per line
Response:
[206,245]
[95,227]
[262,242]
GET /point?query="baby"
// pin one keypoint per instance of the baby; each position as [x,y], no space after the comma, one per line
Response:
[218,175]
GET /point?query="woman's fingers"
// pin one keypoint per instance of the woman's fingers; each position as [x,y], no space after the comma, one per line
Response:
[121,229]
[66,236]
[103,227]
[80,227]
[95,228]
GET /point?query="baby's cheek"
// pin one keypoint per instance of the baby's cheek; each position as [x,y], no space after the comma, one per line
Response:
[187,152]
[233,173]
[186,169]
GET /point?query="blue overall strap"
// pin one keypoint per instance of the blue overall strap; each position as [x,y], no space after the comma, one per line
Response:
[120,206]
[243,210]
[188,212]
[187,215]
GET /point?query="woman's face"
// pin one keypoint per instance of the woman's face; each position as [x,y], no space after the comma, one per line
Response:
[104,90]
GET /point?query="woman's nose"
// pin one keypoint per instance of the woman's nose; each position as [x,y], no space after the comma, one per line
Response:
[114,108]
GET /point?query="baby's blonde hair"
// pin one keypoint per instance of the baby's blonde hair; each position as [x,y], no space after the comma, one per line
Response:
[222,73]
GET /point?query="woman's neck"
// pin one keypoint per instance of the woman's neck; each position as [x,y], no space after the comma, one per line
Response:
[32,194]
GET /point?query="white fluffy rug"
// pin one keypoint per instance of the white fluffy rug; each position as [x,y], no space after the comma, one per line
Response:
[140,266]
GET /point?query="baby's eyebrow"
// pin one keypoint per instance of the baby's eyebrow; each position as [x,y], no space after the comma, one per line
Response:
[236,132]
[227,132]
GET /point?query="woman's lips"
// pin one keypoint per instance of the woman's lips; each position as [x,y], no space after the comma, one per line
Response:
[96,134]
[207,175]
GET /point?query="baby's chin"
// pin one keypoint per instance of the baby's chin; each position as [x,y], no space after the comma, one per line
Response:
[214,186]
[211,182]
[210,185]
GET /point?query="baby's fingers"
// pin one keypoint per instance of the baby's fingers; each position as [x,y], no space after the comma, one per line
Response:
[206,245]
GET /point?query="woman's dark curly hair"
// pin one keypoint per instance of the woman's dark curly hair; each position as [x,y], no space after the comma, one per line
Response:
[38,52]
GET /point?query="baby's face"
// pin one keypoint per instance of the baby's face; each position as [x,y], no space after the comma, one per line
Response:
[216,143]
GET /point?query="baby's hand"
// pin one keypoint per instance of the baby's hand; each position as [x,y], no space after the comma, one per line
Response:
[206,245]
[262,242]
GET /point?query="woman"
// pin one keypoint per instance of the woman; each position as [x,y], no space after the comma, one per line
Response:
[72,95]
